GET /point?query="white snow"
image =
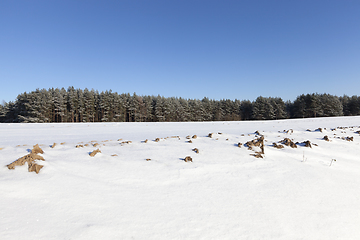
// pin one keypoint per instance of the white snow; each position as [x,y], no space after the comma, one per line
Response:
[225,193]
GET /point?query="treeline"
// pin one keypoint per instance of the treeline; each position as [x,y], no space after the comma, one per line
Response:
[76,105]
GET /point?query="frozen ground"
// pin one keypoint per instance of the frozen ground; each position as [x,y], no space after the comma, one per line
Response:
[225,193]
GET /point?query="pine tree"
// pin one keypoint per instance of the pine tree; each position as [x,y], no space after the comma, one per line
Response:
[262,109]
[184,110]
[59,105]
[279,108]
[299,107]
[246,109]
[159,109]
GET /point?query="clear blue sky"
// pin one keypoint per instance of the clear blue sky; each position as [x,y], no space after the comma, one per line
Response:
[184,48]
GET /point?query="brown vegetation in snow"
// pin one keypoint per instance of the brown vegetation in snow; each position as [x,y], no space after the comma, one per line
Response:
[277,146]
[188,159]
[196,150]
[30,160]
[36,149]
[288,142]
[93,153]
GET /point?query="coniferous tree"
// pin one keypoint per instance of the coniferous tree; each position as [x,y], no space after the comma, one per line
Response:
[354,106]
[246,109]
[331,106]
[299,107]
[59,105]
[76,105]
[262,109]
[344,102]
[149,113]
[159,109]
[118,108]
[89,105]
[72,104]
[207,106]
[9,112]
[279,108]
[184,112]
[2,112]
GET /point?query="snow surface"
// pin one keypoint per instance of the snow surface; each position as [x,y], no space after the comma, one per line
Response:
[225,193]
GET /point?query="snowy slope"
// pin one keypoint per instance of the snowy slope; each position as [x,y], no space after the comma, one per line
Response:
[225,193]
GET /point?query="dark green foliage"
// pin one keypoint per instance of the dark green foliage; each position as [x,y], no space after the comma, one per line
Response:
[76,105]
[351,105]
[316,105]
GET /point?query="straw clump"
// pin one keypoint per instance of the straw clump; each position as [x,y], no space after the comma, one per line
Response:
[30,160]
[188,159]
[36,149]
[93,153]
[288,142]
[277,146]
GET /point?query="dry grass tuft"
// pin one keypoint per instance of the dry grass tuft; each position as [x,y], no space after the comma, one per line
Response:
[30,160]
[288,142]
[307,143]
[277,146]
[33,167]
[188,159]
[349,139]
[36,149]
[259,142]
[93,153]
[257,155]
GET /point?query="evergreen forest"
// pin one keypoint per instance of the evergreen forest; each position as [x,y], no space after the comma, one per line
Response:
[77,105]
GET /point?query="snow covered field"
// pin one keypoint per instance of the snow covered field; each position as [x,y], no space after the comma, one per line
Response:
[225,193]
